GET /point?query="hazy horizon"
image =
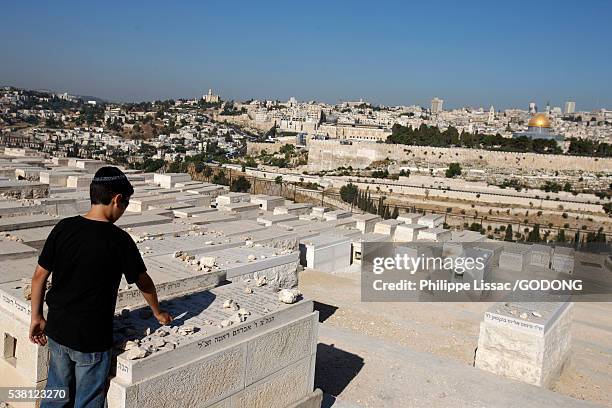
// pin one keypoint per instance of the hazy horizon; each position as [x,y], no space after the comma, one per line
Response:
[476,54]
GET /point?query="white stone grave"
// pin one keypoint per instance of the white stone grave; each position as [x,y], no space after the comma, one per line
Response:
[526,341]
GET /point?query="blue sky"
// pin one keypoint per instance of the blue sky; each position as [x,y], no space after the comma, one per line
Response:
[470,53]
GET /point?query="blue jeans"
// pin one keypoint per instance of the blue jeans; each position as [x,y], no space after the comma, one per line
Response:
[82,374]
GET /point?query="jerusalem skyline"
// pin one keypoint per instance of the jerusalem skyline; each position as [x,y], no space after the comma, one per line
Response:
[468,56]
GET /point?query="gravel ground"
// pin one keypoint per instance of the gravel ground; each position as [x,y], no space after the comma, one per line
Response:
[421,354]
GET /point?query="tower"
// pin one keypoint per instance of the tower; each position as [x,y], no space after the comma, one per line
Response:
[533,108]
[436,105]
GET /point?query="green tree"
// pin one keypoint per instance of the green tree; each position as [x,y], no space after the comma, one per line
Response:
[534,234]
[220,178]
[454,169]
[561,236]
[508,237]
[348,193]
[207,172]
[240,185]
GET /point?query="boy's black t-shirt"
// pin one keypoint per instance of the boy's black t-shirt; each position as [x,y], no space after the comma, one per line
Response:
[87,259]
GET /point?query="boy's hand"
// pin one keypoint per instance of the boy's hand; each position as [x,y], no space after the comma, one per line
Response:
[37,331]
[163,317]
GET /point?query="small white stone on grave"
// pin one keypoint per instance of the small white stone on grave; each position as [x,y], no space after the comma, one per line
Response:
[135,353]
[536,314]
[289,295]
[158,342]
[208,261]
[237,318]
[130,344]
[225,323]
[248,290]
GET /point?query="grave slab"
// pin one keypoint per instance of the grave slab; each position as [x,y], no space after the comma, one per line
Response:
[526,341]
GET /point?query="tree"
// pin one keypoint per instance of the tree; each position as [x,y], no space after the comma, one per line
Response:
[207,172]
[381,206]
[348,193]
[240,185]
[386,213]
[278,180]
[561,236]
[220,178]
[534,234]
[508,236]
[454,169]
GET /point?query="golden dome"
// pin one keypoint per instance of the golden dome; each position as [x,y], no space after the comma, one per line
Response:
[540,120]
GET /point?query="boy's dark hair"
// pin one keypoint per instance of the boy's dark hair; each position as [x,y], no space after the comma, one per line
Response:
[107,182]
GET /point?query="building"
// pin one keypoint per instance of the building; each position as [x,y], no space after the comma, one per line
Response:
[533,108]
[539,127]
[491,117]
[436,105]
[211,98]
[570,107]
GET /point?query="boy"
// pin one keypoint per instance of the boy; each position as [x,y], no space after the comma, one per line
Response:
[87,256]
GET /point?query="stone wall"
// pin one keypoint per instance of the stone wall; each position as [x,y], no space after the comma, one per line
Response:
[255,149]
[329,155]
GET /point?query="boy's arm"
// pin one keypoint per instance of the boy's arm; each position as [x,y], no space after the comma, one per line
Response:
[147,287]
[37,320]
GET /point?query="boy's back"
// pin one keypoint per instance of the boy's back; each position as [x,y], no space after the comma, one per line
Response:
[87,258]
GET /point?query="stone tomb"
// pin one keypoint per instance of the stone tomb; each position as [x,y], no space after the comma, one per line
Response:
[22,363]
[210,356]
[434,234]
[407,232]
[294,209]
[359,239]
[33,237]
[336,215]
[514,257]
[15,250]
[212,217]
[243,211]
[266,202]
[278,266]
[366,222]
[386,227]
[526,341]
[409,218]
[431,220]
[27,221]
[563,260]
[232,198]
[168,180]
[326,252]
[540,255]
[270,219]
[192,211]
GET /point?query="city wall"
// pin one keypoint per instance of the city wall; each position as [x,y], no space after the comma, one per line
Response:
[255,149]
[329,155]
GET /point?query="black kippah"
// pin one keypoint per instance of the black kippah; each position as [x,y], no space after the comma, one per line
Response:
[109,178]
